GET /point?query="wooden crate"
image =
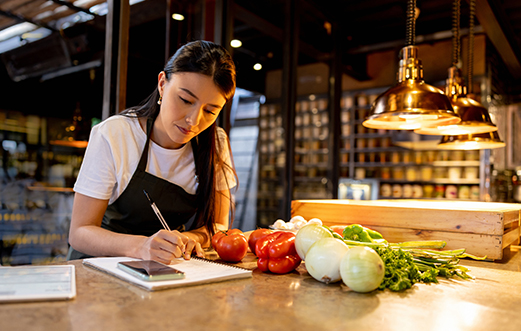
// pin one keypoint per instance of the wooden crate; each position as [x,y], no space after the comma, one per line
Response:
[482,228]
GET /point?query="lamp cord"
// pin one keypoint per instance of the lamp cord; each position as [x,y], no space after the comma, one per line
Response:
[456,45]
[470,61]
[411,23]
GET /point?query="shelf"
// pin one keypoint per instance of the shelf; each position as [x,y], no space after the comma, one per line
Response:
[51,189]
[412,164]
[308,195]
[323,165]
[378,149]
[309,179]
[311,151]
[311,138]
[356,107]
[386,164]
[270,167]
[456,181]
[447,181]
[311,125]
[425,198]
[456,163]
[373,135]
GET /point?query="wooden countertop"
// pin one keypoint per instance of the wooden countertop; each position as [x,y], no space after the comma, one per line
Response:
[281,302]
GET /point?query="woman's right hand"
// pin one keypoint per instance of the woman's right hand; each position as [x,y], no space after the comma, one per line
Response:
[164,246]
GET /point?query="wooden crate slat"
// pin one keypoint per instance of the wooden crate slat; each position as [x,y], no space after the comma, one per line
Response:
[466,221]
[511,236]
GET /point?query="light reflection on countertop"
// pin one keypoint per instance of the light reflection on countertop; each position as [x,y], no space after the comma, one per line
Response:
[293,301]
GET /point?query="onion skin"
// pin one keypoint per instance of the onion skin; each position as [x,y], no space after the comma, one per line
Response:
[323,259]
[307,236]
[362,269]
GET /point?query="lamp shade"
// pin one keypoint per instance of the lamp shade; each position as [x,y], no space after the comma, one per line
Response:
[489,140]
[411,103]
[474,116]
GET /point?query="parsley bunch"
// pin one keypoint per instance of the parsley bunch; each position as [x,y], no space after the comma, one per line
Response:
[400,270]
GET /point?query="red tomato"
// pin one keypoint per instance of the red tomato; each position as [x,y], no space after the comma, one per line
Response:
[256,235]
[219,234]
[231,245]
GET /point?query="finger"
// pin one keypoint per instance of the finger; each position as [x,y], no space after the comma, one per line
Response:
[176,238]
[184,239]
[161,256]
[199,250]
[189,249]
[170,251]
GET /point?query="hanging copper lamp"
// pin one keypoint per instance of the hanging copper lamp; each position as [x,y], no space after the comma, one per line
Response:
[474,116]
[411,103]
[483,140]
[489,140]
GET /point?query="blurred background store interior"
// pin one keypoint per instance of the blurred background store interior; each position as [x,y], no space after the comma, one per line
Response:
[305,67]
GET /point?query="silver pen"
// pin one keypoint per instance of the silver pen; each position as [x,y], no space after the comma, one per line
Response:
[156,211]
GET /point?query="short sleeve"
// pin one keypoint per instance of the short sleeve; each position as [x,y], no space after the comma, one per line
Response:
[225,177]
[97,177]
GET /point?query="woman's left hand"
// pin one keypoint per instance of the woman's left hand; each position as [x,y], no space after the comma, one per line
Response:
[191,246]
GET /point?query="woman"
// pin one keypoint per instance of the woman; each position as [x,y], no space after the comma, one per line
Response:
[169,147]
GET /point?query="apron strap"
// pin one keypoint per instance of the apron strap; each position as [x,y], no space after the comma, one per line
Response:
[144,155]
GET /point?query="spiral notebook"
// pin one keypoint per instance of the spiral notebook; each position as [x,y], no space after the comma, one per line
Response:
[197,271]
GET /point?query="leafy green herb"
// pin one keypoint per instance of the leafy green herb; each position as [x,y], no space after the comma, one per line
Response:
[409,262]
[400,270]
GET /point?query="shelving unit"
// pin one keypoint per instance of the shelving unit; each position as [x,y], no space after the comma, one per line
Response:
[36,191]
[271,163]
[364,153]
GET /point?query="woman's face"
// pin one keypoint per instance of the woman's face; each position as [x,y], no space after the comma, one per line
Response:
[190,103]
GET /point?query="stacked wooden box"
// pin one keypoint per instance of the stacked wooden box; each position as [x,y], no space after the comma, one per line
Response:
[482,228]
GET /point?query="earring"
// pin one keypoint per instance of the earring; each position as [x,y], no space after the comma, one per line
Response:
[159,101]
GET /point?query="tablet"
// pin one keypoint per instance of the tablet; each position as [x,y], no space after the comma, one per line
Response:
[37,283]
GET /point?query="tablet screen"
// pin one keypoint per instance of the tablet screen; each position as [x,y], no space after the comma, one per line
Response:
[37,283]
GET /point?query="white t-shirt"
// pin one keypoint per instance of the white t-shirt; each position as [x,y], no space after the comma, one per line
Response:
[113,153]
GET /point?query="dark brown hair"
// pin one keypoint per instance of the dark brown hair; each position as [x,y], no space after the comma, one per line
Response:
[214,61]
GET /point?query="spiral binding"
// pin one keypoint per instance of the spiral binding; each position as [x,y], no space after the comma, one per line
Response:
[218,263]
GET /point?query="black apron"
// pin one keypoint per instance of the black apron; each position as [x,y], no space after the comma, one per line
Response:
[131,213]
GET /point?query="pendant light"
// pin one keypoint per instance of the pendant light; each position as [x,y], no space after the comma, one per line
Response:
[411,103]
[474,116]
[488,140]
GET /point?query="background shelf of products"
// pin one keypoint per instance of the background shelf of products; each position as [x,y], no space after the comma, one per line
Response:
[39,164]
[364,154]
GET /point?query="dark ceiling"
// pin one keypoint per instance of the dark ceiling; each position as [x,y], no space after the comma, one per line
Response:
[360,25]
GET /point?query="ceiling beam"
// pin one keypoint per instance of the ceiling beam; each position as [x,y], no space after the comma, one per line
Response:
[24,19]
[73,7]
[497,36]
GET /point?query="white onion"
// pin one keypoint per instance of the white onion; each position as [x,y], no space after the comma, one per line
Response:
[323,259]
[297,218]
[362,269]
[315,221]
[288,226]
[298,224]
[279,224]
[307,236]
